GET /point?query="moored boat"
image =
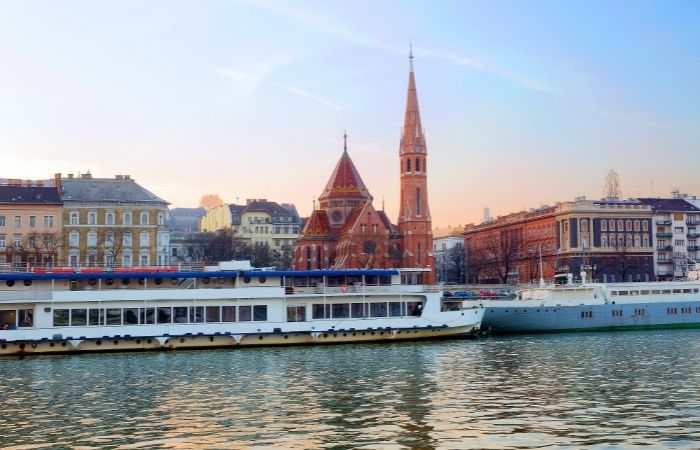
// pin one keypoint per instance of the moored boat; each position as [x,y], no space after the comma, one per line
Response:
[596,306]
[228,306]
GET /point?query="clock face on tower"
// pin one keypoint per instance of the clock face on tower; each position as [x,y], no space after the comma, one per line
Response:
[336,216]
[417,148]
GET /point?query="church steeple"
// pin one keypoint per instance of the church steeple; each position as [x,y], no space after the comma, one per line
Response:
[414,214]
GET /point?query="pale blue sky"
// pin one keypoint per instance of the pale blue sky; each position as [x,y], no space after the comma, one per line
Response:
[524,102]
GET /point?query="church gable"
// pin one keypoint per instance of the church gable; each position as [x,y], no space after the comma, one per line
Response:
[317,225]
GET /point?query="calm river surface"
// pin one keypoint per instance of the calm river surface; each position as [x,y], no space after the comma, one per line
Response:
[594,390]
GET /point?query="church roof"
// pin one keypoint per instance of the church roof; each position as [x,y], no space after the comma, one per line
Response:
[317,225]
[345,182]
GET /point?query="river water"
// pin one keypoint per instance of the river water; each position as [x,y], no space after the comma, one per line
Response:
[592,390]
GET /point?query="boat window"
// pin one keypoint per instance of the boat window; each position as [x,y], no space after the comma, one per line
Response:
[676,291]
[8,319]
[131,316]
[96,317]
[354,281]
[644,292]
[317,311]
[164,314]
[695,291]
[213,313]
[228,313]
[196,314]
[296,313]
[260,313]
[114,316]
[26,318]
[385,280]
[377,309]
[60,317]
[147,315]
[395,309]
[371,280]
[180,314]
[341,310]
[686,291]
[244,314]
[358,310]
[622,293]
[414,308]
[613,292]
[656,291]
[634,292]
[336,281]
[300,281]
[666,291]
[246,280]
[78,317]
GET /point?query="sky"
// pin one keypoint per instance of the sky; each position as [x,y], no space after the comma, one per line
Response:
[524,103]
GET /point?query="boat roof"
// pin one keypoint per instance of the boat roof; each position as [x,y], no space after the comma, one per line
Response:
[74,275]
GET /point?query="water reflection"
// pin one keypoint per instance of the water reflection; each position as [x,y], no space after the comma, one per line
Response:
[570,390]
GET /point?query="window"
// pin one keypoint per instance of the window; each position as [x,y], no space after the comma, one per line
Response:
[92,218]
[2,221]
[645,225]
[377,309]
[180,314]
[586,314]
[636,225]
[96,317]
[164,315]
[109,218]
[126,241]
[620,225]
[147,315]
[144,239]
[109,238]
[74,218]
[48,221]
[228,313]
[32,221]
[260,312]
[395,309]
[318,311]
[126,218]
[144,259]
[628,225]
[244,314]
[126,260]
[357,310]
[408,165]
[144,218]
[73,239]
[637,240]
[645,240]
[113,316]
[341,311]
[2,242]
[604,240]
[680,242]
[213,314]
[18,221]
[418,205]
[417,165]
[196,314]
[92,239]
[61,317]
[611,225]
[296,313]
[161,218]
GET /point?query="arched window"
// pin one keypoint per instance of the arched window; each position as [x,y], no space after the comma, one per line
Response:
[144,239]
[74,239]
[408,165]
[417,164]
[126,241]
[418,201]
[144,218]
[92,239]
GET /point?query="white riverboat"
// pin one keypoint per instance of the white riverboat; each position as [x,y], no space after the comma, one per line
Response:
[596,306]
[65,311]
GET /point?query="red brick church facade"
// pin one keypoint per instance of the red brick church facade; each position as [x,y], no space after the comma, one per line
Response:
[346,231]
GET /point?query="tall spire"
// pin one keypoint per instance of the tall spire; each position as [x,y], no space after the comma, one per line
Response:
[410,55]
[345,142]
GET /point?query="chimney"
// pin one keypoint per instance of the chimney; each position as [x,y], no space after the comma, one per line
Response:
[70,176]
[127,177]
[119,177]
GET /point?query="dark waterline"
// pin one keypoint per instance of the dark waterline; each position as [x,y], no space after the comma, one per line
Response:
[593,390]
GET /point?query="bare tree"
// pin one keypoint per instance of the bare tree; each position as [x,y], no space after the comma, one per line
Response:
[621,261]
[456,264]
[52,243]
[504,248]
[476,263]
[220,247]
[113,244]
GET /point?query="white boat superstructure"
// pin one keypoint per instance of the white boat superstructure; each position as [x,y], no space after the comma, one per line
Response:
[67,311]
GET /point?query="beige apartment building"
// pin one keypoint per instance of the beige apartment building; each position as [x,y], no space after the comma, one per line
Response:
[30,224]
[113,222]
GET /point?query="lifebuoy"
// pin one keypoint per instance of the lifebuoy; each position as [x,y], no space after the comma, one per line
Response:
[343,288]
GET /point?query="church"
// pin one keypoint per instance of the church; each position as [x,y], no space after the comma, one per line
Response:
[345,231]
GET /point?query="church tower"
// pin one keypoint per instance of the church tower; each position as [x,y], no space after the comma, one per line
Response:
[414,214]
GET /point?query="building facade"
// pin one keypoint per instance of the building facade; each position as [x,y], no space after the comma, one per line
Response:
[676,235]
[30,223]
[185,219]
[113,222]
[347,231]
[450,258]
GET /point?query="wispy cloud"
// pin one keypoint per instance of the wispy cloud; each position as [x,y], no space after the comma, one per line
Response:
[303,93]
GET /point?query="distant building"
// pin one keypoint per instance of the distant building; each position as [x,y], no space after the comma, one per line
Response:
[259,222]
[30,223]
[448,248]
[676,235]
[189,247]
[113,221]
[185,219]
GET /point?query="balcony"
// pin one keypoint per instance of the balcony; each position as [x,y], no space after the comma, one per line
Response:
[692,222]
[665,261]
[693,235]
[664,247]
[693,248]
[664,235]
[664,222]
